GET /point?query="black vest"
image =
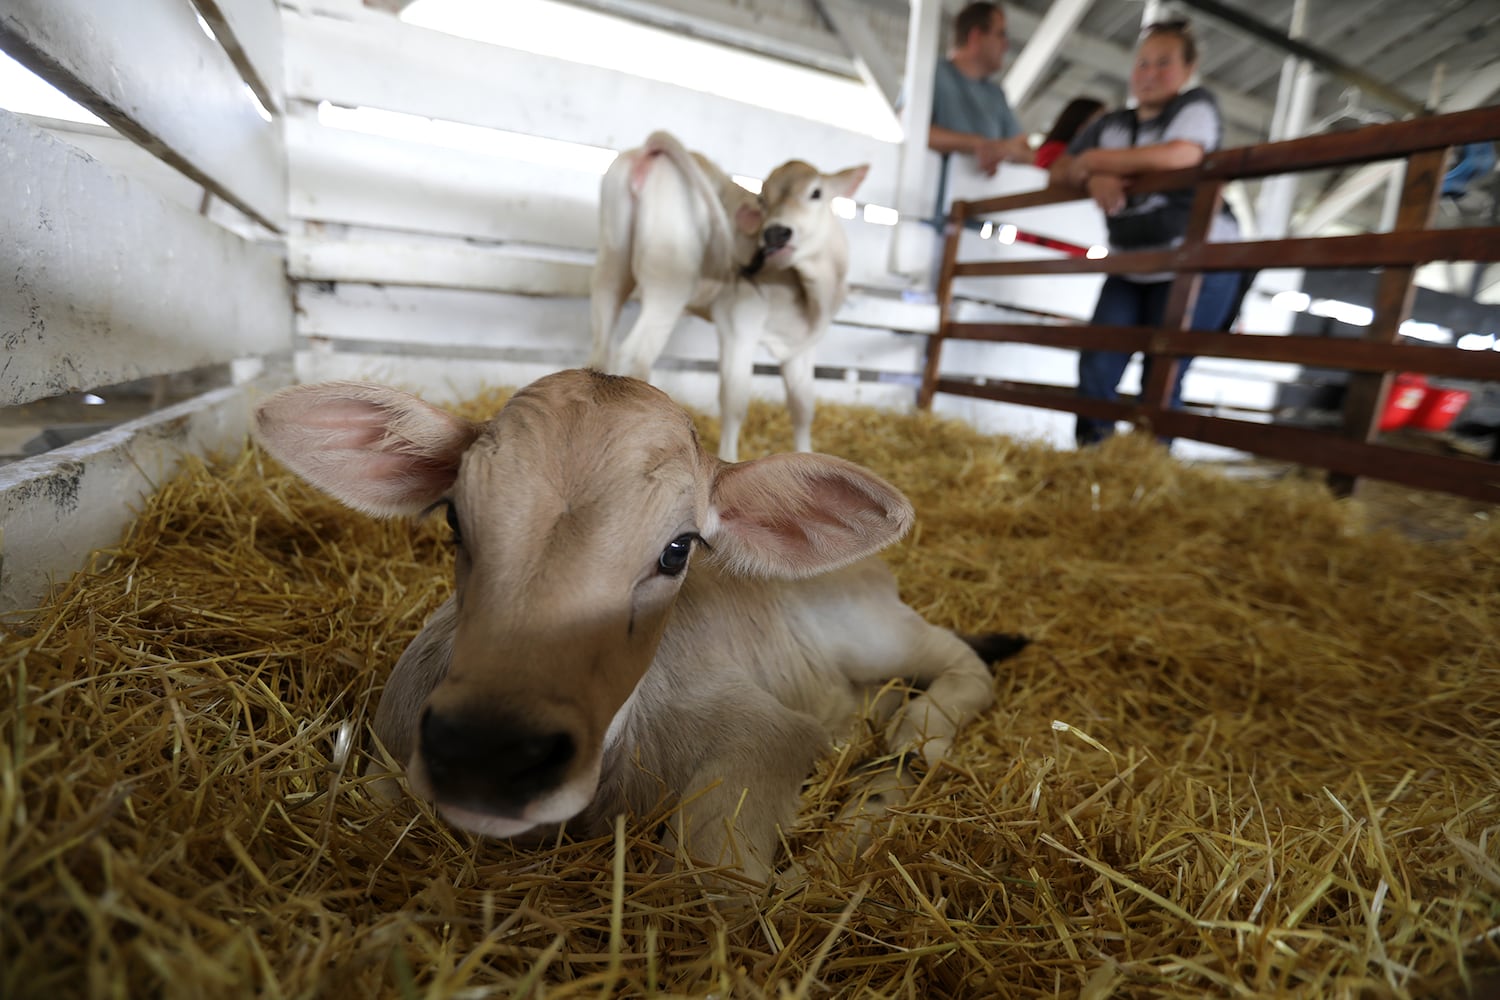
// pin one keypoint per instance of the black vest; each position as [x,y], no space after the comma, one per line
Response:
[1167,221]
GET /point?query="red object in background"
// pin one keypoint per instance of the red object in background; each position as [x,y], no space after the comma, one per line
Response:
[1405,398]
[1071,249]
[1047,152]
[1438,409]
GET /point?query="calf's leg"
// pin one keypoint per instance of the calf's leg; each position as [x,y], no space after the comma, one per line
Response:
[739,324]
[744,792]
[610,286]
[801,396]
[663,301]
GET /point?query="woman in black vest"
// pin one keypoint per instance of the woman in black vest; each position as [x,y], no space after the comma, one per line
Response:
[1168,129]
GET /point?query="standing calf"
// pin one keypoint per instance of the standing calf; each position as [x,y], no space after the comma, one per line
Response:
[767,271]
[631,615]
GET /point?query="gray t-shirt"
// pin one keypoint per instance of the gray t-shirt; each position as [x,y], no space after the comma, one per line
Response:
[975,106]
[1196,121]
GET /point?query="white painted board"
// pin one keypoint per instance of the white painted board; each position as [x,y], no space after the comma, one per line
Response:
[148,69]
[437,263]
[105,281]
[383,63]
[369,180]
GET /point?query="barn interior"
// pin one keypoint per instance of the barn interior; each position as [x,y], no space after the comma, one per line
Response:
[1250,751]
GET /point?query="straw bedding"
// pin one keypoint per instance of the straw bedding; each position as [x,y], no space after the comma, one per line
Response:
[1252,751]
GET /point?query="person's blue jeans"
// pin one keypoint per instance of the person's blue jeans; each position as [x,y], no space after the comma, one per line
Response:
[1133,303]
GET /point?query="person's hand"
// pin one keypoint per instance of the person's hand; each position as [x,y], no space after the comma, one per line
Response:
[1060,173]
[989,154]
[1080,169]
[1108,192]
[1018,149]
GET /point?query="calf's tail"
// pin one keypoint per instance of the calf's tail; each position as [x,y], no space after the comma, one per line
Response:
[993,647]
[718,254]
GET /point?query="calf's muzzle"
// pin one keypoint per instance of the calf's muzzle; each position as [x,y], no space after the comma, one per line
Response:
[490,764]
[776,237]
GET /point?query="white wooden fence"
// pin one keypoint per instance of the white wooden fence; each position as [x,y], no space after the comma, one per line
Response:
[112,271]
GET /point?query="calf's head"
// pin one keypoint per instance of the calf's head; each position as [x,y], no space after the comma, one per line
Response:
[577,512]
[795,217]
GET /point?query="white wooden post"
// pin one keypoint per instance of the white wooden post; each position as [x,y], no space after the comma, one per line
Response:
[916,184]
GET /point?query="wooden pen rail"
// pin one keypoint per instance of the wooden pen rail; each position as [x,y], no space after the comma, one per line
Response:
[1347,452]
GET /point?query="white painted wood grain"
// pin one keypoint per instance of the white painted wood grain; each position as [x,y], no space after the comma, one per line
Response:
[437,264]
[148,69]
[383,63]
[103,281]
[350,177]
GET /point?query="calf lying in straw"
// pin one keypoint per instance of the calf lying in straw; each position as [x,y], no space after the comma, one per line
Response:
[768,270]
[631,616]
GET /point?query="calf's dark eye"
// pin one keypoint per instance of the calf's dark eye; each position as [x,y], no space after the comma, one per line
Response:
[817,193]
[674,558]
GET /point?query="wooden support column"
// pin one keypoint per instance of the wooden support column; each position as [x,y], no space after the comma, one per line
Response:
[1156,392]
[958,216]
[1366,395]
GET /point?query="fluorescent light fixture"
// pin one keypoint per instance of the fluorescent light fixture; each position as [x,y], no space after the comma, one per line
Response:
[25,93]
[1292,301]
[1430,332]
[1097,252]
[751,184]
[1344,312]
[1477,342]
[845,208]
[1006,234]
[881,216]
[985,230]
[563,31]
[474,138]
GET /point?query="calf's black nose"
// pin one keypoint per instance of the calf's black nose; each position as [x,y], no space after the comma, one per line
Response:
[491,764]
[776,237]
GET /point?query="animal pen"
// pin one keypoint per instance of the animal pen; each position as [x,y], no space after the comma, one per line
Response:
[1251,750]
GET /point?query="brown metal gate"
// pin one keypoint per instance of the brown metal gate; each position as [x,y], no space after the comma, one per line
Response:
[1347,452]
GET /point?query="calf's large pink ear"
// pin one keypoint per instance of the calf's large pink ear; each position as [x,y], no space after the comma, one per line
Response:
[377,449]
[796,515]
[846,182]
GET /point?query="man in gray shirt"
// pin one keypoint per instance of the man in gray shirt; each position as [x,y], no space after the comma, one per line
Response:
[970,113]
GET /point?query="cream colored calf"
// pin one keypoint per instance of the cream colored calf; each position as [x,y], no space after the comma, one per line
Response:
[632,616]
[769,270]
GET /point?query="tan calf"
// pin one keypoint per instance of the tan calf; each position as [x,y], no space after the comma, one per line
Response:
[765,270]
[632,617]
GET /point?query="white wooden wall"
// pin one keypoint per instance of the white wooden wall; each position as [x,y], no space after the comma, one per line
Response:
[112,271]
